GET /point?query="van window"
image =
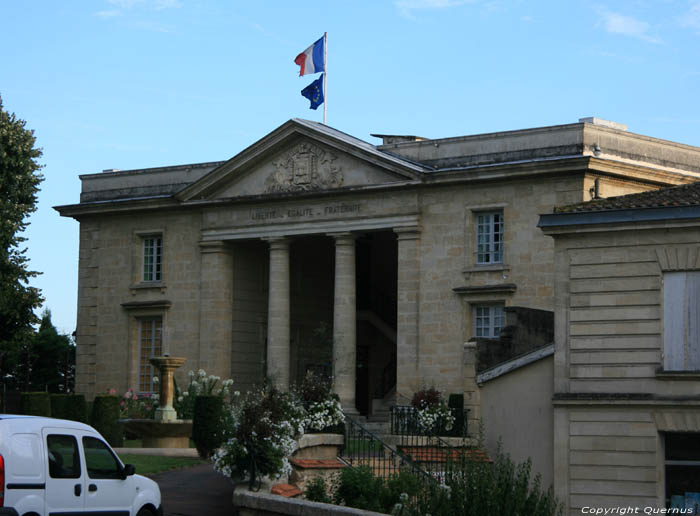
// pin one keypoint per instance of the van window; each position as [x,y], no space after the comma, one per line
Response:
[99,459]
[64,461]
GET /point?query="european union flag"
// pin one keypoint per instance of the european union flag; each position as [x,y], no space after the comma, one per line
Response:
[314,92]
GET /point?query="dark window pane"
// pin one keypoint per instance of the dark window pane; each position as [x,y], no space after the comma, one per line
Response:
[64,461]
[99,460]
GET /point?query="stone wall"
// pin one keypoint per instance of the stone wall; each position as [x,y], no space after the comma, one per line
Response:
[612,401]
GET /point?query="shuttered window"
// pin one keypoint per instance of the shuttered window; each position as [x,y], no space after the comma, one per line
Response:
[682,321]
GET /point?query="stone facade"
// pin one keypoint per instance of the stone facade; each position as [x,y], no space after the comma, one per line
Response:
[615,403]
[258,252]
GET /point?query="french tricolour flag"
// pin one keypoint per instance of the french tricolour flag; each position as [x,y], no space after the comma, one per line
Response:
[311,59]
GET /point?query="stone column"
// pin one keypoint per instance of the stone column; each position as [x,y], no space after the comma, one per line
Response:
[344,321]
[407,353]
[216,310]
[278,314]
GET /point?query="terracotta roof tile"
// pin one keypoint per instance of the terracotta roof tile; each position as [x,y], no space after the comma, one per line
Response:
[286,490]
[683,195]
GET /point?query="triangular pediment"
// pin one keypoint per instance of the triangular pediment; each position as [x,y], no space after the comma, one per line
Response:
[301,156]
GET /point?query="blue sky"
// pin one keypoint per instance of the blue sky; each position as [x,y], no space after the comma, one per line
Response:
[141,83]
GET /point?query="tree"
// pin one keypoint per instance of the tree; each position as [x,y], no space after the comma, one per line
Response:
[19,184]
[48,363]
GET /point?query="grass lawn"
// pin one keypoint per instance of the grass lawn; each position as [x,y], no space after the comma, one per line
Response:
[151,464]
[136,443]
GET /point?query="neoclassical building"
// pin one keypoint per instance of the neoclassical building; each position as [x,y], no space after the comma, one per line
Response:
[382,265]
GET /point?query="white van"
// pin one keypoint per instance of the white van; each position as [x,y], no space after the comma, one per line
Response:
[58,467]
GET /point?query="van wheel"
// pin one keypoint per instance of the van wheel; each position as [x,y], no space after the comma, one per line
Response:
[145,512]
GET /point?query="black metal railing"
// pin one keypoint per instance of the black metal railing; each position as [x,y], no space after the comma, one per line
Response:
[425,445]
[363,448]
[405,421]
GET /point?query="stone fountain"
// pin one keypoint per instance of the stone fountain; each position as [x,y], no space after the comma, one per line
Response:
[164,430]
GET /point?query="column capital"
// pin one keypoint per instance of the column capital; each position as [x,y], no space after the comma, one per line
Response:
[408,233]
[278,242]
[214,246]
[343,237]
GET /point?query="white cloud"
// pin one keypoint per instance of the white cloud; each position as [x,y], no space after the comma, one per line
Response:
[407,7]
[627,26]
[692,17]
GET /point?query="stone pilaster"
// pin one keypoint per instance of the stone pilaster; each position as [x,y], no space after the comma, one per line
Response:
[344,321]
[278,314]
[407,352]
[216,309]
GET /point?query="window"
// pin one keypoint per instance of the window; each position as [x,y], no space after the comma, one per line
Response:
[682,468]
[151,342]
[99,460]
[489,320]
[64,461]
[682,321]
[489,237]
[152,258]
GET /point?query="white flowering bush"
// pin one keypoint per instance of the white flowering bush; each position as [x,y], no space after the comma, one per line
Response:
[260,435]
[200,384]
[432,413]
[322,410]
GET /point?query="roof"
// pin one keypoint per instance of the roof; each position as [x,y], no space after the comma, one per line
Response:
[675,196]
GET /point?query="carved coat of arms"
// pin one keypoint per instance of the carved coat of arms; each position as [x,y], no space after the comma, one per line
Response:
[302,168]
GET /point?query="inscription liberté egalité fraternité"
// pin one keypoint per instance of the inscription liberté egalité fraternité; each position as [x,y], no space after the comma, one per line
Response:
[296,213]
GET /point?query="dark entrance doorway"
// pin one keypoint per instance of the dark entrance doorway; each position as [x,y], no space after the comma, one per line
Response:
[377,265]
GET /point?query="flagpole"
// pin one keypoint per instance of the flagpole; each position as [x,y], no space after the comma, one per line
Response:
[325,75]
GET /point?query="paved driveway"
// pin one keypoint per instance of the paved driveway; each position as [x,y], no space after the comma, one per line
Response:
[195,491]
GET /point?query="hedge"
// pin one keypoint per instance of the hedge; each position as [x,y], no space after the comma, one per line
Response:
[69,406]
[206,423]
[105,413]
[36,404]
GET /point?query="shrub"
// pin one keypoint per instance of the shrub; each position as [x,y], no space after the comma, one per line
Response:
[76,408]
[105,413]
[58,405]
[316,491]
[206,432]
[133,406]
[199,385]
[433,415]
[36,404]
[480,488]
[323,412]
[260,435]
[359,488]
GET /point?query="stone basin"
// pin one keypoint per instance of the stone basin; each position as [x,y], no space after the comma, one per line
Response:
[160,434]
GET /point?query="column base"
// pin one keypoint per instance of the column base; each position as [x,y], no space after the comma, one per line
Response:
[350,411]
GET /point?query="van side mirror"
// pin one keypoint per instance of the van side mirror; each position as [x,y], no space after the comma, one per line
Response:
[128,470]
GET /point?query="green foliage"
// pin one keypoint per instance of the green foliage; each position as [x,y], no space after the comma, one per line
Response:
[105,415]
[36,404]
[200,384]
[260,435]
[316,491]
[359,488]
[479,488]
[133,406]
[206,424]
[19,184]
[50,357]
[69,406]
[323,413]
